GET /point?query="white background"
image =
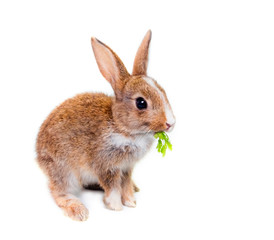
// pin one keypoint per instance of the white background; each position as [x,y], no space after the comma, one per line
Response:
[215,60]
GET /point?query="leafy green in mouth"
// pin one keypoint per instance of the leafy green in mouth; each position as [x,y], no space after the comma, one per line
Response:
[163,142]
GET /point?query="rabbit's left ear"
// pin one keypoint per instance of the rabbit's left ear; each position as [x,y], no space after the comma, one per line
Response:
[110,65]
[141,58]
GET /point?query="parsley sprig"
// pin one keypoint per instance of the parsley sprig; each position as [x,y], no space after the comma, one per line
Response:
[163,142]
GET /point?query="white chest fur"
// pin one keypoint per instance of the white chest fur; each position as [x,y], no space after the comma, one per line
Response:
[136,147]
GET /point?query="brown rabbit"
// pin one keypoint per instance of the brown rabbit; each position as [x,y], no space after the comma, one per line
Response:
[93,138]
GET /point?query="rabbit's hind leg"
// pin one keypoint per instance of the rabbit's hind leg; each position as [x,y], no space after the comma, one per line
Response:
[70,204]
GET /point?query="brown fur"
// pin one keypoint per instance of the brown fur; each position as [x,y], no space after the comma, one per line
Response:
[93,135]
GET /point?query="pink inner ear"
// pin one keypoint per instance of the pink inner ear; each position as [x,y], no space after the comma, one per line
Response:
[110,65]
[141,58]
[106,62]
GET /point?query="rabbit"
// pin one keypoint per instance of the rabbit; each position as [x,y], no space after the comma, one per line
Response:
[94,138]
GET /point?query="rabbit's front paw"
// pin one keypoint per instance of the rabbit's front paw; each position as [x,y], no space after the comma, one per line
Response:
[129,201]
[113,201]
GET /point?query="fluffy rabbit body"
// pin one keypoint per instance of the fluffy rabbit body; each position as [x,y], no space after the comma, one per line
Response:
[93,138]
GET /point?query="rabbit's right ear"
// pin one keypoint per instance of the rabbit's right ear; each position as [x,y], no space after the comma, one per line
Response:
[110,65]
[141,58]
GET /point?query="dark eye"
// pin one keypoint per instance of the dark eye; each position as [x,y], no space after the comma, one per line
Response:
[141,103]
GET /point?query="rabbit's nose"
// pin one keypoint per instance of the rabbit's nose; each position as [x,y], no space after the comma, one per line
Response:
[169,126]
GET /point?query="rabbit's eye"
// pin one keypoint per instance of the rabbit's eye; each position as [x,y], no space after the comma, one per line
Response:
[141,103]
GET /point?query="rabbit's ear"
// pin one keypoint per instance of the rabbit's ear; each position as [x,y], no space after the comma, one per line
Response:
[110,65]
[141,58]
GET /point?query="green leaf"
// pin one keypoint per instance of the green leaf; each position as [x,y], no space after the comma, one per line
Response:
[165,136]
[156,135]
[169,145]
[163,150]
[163,142]
[159,146]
